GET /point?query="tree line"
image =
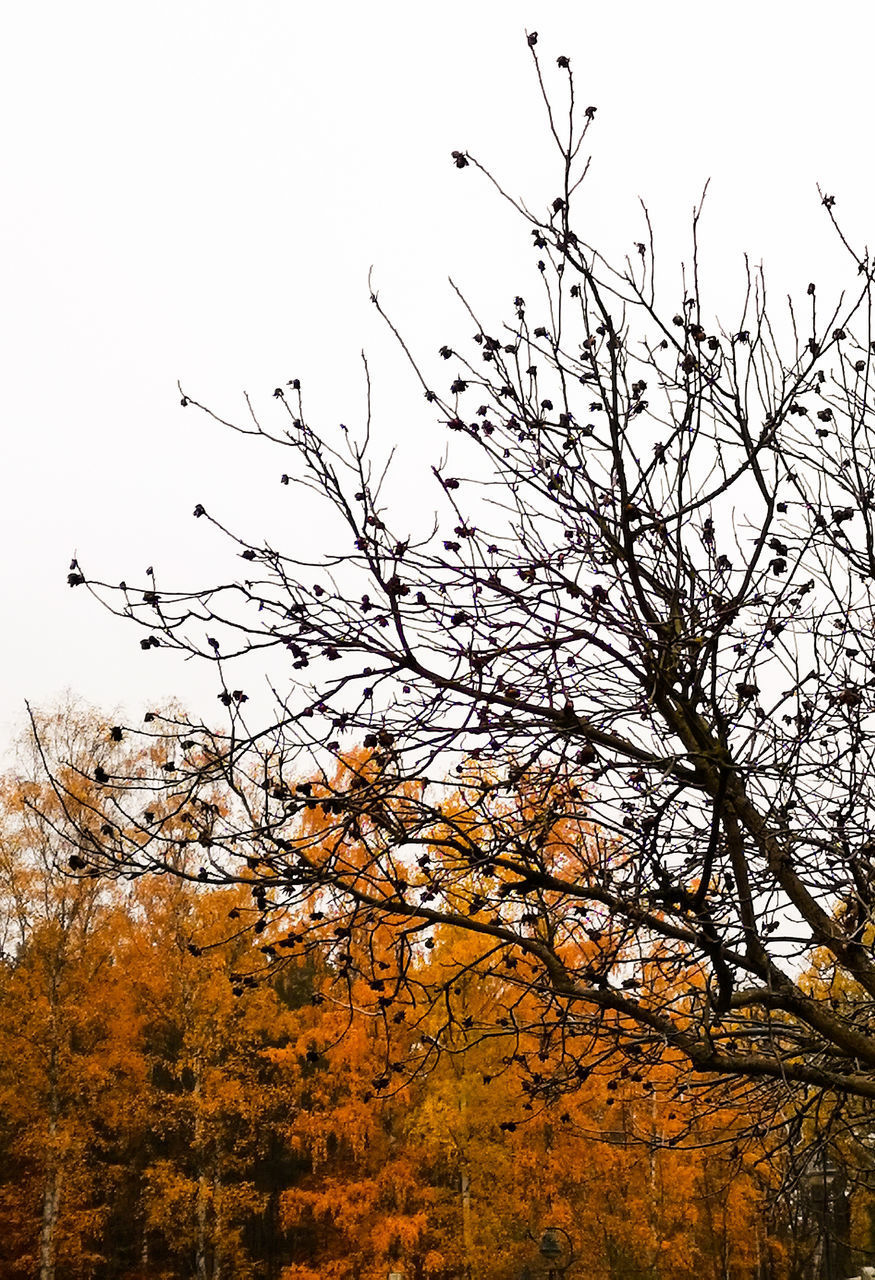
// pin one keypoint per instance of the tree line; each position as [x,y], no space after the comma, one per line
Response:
[184,1092]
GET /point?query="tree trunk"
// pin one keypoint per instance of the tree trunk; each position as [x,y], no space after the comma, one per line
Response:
[202,1202]
[465,1180]
[218,1219]
[202,1227]
[51,1205]
[52,1183]
[465,1188]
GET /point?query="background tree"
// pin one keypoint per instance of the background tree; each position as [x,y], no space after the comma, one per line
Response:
[69,1065]
[637,638]
[205,1157]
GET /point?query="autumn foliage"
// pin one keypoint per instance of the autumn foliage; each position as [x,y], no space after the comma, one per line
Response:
[186,1090]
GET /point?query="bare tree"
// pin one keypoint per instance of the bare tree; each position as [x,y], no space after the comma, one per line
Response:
[613,714]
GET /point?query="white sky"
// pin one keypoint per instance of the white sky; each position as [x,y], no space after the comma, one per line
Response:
[197,190]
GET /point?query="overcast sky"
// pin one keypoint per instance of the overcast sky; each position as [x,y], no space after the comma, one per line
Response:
[196,191]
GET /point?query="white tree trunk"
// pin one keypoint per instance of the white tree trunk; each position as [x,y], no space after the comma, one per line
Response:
[51,1200]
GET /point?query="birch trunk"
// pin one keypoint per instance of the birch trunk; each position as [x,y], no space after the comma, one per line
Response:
[202,1203]
[51,1192]
[465,1182]
[202,1227]
[467,1240]
[218,1219]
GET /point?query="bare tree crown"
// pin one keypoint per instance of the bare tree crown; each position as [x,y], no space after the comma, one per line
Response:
[613,717]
